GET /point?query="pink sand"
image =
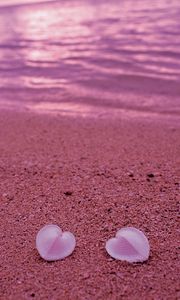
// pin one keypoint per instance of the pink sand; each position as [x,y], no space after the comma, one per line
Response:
[90,177]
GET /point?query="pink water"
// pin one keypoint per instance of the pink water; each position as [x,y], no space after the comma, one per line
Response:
[110,54]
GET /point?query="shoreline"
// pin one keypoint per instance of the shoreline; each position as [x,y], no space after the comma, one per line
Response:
[104,164]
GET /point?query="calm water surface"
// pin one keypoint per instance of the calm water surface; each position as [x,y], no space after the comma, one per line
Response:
[92,52]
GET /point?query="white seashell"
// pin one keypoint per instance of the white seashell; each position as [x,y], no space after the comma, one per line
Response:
[130,244]
[53,244]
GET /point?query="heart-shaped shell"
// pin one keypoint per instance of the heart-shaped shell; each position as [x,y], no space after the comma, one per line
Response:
[53,244]
[130,244]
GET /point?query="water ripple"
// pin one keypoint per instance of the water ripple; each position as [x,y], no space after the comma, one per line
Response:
[109,46]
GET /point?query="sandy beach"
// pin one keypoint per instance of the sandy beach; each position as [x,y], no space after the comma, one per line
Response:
[92,177]
[89,141]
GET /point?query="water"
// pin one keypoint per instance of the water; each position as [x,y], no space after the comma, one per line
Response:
[100,53]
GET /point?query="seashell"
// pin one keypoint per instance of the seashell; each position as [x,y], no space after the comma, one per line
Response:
[130,244]
[53,244]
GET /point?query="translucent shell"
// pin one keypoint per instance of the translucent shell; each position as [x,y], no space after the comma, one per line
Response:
[53,244]
[129,244]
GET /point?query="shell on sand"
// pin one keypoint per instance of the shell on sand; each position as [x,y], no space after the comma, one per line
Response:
[129,244]
[53,244]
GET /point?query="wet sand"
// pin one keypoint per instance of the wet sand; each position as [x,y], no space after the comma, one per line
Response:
[91,177]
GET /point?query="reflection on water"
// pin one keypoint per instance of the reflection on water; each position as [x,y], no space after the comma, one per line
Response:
[77,46]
